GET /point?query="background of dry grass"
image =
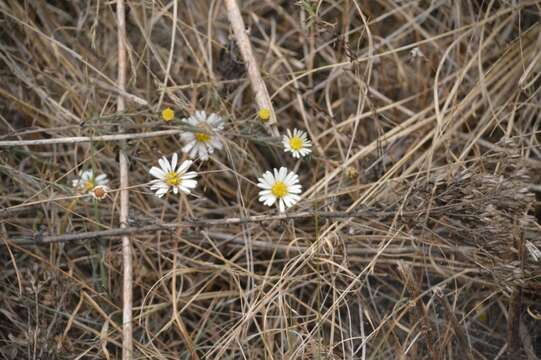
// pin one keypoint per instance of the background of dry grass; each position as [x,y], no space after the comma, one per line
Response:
[436,149]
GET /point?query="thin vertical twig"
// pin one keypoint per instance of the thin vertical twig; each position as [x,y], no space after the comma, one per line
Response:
[127,284]
[262,97]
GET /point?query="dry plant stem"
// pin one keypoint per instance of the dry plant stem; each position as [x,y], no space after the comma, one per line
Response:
[83,139]
[127,283]
[262,97]
[205,223]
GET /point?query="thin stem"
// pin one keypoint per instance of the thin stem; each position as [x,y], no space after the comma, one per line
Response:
[366,212]
[82,139]
[127,284]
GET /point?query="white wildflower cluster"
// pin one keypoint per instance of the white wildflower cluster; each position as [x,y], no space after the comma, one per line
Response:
[279,186]
[88,183]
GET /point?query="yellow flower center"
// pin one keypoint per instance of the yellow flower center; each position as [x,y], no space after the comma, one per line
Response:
[264,114]
[89,185]
[168,114]
[202,137]
[172,179]
[296,143]
[279,189]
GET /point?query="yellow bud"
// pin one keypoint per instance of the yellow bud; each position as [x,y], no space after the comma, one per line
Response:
[168,114]
[264,114]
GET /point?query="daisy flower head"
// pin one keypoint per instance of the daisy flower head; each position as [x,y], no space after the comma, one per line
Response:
[170,177]
[199,144]
[100,192]
[297,143]
[281,187]
[168,114]
[264,114]
[87,182]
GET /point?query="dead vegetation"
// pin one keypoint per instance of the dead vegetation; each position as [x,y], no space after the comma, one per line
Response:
[424,117]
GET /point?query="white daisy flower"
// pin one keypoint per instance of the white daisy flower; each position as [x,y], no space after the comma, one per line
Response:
[168,176]
[88,181]
[282,187]
[201,144]
[297,143]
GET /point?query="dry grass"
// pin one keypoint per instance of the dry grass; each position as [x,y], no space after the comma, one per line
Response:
[425,121]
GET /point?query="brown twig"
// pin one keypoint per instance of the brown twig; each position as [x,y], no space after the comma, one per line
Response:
[262,97]
[127,283]
[124,231]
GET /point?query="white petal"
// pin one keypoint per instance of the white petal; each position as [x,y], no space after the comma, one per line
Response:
[184,166]
[187,137]
[291,199]
[157,186]
[269,178]
[164,164]
[192,121]
[189,175]
[200,116]
[194,151]
[212,119]
[184,189]
[282,173]
[295,189]
[290,179]
[190,184]
[86,175]
[174,162]
[281,205]
[188,147]
[101,177]
[161,192]
[268,200]
[287,201]
[295,198]
[203,153]
[216,143]
[285,142]
[157,172]
[263,184]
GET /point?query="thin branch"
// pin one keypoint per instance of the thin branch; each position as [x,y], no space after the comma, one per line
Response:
[82,139]
[47,239]
[262,97]
[127,283]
